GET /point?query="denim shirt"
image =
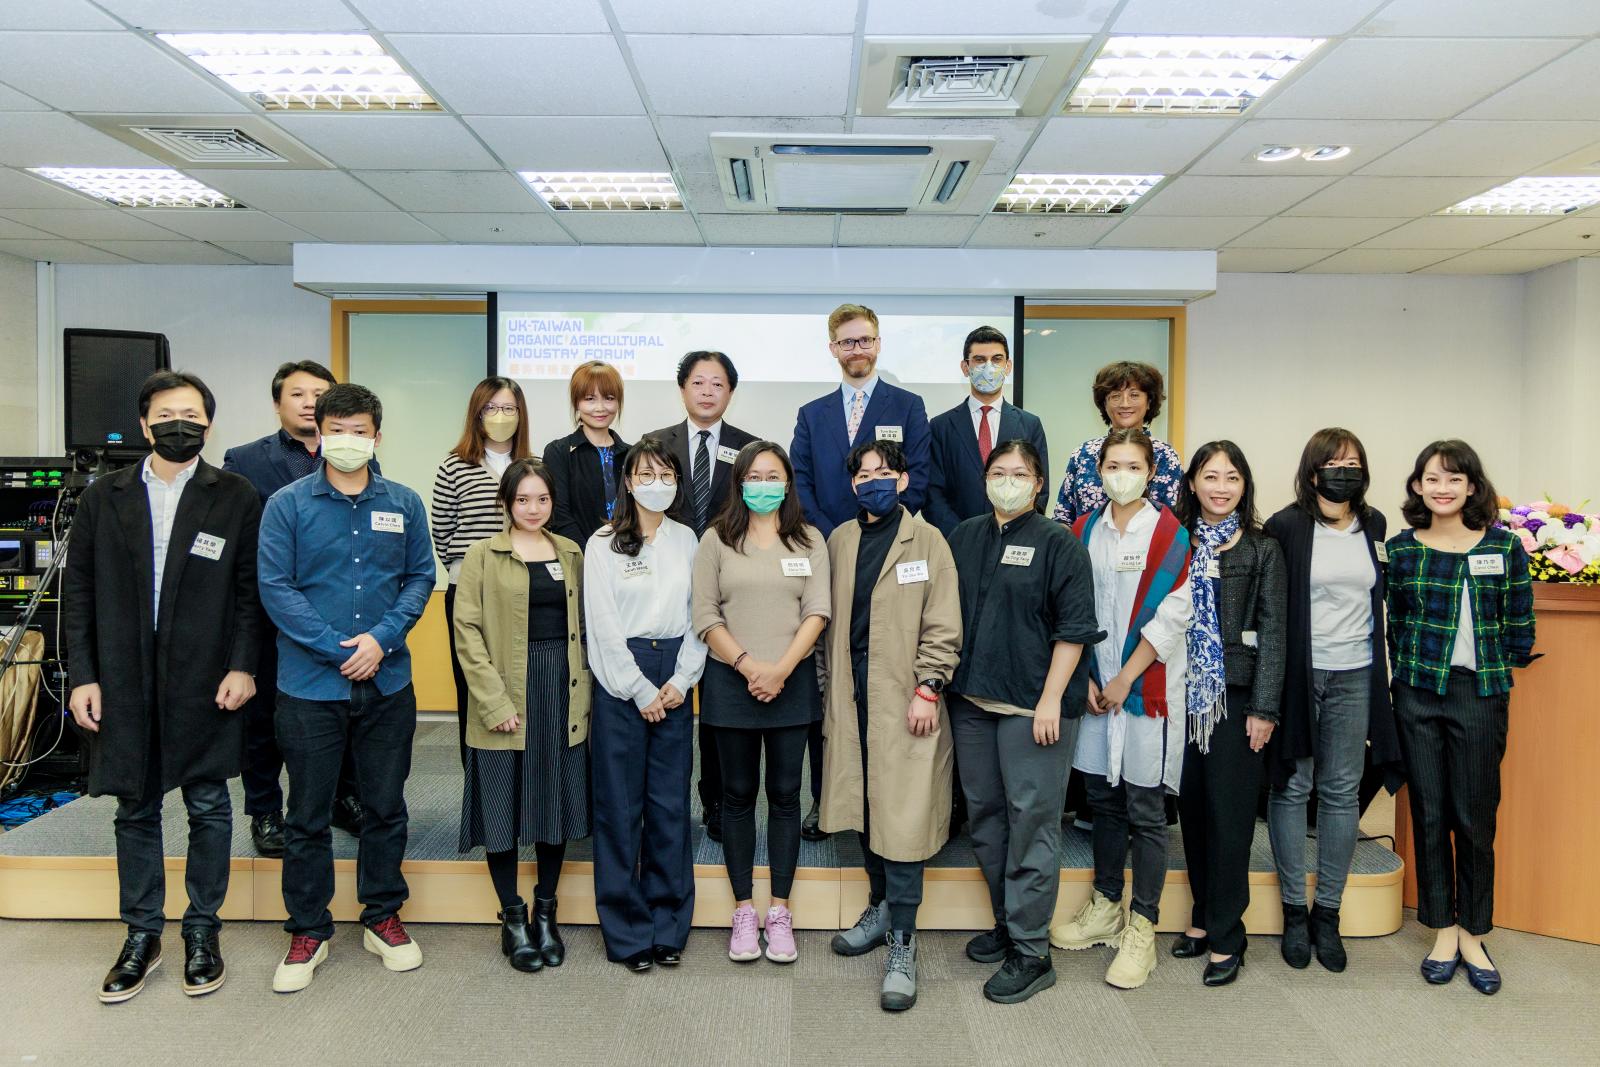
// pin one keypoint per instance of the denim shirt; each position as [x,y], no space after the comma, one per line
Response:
[332,568]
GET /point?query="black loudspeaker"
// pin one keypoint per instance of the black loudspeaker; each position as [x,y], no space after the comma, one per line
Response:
[104,370]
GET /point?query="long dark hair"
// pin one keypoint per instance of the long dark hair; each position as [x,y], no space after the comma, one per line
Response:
[511,481]
[474,441]
[1188,509]
[733,521]
[626,536]
[1457,457]
[1321,450]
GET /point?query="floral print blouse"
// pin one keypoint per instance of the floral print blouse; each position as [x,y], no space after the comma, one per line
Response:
[1082,493]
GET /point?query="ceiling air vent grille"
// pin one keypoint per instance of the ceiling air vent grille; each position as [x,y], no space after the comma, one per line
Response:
[964,77]
[988,83]
[216,144]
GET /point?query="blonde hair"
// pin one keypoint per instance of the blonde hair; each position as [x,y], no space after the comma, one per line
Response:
[595,377]
[845,313]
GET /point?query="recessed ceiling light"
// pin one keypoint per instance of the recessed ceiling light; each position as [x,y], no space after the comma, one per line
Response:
[1531,196]
[1186,75]
[1277,153]
[306,71]
[137,186]
[1327,153]
[607,191]
[1074,194]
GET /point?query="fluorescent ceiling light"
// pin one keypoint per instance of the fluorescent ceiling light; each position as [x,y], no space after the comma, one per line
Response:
[1074,194]
[306,71]
[1186,75]
[1531,196]
[608,191]
[137,186]
[1277,153]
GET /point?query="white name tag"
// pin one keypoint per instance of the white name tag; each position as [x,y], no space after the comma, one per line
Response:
[388,522]
[1130,561]
[1249,638]
[888,433]
[726,454]
[1487,564]
[915,571]
[1018,556]
[797,568]
[1213,569]
[554,569]
[635,568]
[207,547]
[1383,551]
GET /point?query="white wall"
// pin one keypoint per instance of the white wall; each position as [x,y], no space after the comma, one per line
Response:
[1561,345]
[19,359]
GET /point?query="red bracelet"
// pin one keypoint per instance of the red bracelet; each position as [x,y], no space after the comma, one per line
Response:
[927,694]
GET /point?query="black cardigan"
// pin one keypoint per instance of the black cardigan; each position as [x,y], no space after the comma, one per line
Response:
[580,488]
[1253,600]
[1294,739]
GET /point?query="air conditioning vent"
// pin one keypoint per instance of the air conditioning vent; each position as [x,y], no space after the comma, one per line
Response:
[987,83]
[218,144]
[971,77]
[847,174]
[209,142]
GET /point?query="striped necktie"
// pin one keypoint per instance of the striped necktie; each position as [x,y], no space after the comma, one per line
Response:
[700,479]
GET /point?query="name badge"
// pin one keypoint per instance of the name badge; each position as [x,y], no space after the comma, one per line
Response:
[726,454]
[1249,638]
[1213,569]
[635,568]
[888,433]
[797,568]
[554,569]
[388,522]
[1383,552]
[1018,556]
[207,547]
[915,571]
[1130,561]
[1487,564]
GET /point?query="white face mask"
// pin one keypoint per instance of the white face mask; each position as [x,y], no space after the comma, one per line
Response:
[655,496]
[347,452]
[1125,487]
[1009,494]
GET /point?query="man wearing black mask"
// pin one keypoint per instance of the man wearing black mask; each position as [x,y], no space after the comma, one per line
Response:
[160,616]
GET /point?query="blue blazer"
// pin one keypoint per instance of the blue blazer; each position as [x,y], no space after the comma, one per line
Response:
[955,479]
[820,448]
[262,464]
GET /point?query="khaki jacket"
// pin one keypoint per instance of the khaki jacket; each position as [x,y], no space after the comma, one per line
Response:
[915,634]
[491,636]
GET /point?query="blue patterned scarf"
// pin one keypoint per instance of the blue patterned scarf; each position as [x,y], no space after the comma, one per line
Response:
[1206,687]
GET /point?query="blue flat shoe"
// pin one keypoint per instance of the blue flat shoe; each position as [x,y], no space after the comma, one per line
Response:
[1440,972]
[1485,980]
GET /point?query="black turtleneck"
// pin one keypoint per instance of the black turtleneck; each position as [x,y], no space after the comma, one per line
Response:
[876,540]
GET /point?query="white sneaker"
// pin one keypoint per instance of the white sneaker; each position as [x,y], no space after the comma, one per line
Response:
[388,938]
[295,969]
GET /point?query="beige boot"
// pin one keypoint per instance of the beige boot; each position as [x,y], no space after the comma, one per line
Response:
[1098,922]
[1136,958]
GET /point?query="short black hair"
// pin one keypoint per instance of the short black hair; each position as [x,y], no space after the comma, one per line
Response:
[1323,448]
[304,366]
[163,380]
[1457,457]
[984,335]
[346,399]
[687,363]
[889,453]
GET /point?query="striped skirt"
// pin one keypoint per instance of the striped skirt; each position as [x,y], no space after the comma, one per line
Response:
[541,793]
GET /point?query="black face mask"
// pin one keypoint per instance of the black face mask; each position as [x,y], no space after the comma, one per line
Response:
[178,440]
[1339,485]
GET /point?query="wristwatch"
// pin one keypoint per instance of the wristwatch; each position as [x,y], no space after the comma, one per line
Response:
[935,685]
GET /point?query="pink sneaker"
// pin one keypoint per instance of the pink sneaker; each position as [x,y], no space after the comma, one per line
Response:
[780,936]
[744,943]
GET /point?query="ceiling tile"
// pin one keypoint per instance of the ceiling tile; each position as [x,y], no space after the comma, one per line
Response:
[89,224]
[526,74]
[114,72]
[1138,231]
[1368,140]
[290,190]
[1487,148]
[390,141]
[11,100]
[632,227]
[1376,261]
[715,75]
[241,16]
[1453,231]
[1495,261]
[1010,136]
[451,190]
[687,138]
[53,15]
[59,252]
[1406,79]
[355,227]
[702,193]
[213,224]
[51,139]
[915,17]
[1269,18]
[503,16]
[18,189]
[1229,196]
[1040,231]
[913,231]
[17,231]
[1483,18]
[1268,260]
[272,252]
[1291,232]
[794,230]
[535,227]
[1390,197]
[594,142]
[1580,232]
[1568,88]
[1083,144]
[751,16]
[171,252]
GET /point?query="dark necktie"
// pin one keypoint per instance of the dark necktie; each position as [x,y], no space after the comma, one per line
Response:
[985,439]
[700,478]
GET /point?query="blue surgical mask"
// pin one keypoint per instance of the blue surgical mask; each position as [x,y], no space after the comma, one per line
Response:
[879,496]
[986,378]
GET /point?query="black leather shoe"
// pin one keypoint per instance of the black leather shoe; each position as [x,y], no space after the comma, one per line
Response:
[1187,948]
[1440,972]
[267,833]
[713,821]
[347,815]
[202,963]
[640,962]
[546,934]
[1325,935]
[141,954]
[1296,945]
[667,957]
[811,828]
[1020,977]
[1485,980]
[1221,972]
[515,942]
[990,947]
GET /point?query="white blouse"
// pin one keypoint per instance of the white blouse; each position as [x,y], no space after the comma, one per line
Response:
[640,596]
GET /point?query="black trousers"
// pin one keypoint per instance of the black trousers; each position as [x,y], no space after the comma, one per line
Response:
[897,881]
[741,752]
[263,762]
[1453,745]
[314,736]
[710,784]
[1217,805]
[455,669]
[1124,815]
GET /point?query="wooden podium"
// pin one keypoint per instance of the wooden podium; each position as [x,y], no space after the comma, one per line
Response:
[1547,845]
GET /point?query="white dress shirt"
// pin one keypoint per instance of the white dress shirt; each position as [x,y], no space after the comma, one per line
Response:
[712,444]
[975,406]
[640,596]
[163,510]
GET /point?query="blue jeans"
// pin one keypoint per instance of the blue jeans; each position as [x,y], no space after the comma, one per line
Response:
[141,866]
[1340,708]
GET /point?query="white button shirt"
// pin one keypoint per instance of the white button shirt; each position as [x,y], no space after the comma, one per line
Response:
[163,510]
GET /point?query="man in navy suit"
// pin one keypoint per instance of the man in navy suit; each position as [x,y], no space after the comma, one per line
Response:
[964,436]
[269,464]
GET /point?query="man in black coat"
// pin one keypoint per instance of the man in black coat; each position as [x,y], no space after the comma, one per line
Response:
[161,617]
[707,447]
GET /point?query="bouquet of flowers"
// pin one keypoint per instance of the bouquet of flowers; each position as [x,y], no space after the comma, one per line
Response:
[1563,544]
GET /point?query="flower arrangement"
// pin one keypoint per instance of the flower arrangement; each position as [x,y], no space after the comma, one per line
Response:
[1563,544]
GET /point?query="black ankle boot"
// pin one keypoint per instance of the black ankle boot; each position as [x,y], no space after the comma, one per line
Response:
[1325,935]
[546,933]
[1296,937]
[515,944]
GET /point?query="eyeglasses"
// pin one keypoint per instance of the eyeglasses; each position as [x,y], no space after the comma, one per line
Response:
[1001,475]
[651,477]
[850,344]
[499,409]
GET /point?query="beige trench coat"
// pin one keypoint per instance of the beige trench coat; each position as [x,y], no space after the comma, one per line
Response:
[915,634]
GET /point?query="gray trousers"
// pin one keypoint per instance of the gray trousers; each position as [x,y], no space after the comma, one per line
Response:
[1015,789]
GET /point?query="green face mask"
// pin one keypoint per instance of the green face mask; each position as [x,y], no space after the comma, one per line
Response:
[763,498]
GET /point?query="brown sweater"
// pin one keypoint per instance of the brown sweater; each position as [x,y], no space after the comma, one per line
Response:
[749,593]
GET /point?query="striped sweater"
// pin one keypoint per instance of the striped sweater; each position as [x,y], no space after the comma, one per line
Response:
[464,510]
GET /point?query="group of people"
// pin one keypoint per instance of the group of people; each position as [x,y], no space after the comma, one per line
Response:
[885,599]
